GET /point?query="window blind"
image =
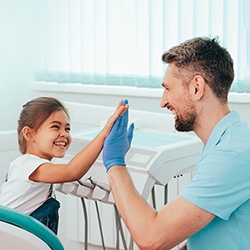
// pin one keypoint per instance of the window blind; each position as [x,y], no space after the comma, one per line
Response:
[120,42]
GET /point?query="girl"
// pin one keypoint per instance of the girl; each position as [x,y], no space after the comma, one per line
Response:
[44,133]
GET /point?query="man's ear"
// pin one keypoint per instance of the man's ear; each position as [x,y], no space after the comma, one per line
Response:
[28,133]
[197,87]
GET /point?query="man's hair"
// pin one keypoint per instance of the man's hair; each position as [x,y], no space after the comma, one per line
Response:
[34,113]
[205,57]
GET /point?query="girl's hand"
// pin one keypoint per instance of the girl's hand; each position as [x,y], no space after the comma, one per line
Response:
[120,110]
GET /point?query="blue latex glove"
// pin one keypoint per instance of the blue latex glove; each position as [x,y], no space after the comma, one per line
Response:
[118,142]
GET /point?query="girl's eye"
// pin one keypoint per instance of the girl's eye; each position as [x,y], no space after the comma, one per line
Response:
[67,129]
[55,126]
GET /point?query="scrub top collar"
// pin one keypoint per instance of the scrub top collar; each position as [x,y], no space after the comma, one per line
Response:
[220,128]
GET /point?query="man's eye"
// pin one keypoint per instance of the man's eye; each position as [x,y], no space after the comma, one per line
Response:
[165,88]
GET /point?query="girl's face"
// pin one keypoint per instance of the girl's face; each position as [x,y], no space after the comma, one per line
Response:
[53,137]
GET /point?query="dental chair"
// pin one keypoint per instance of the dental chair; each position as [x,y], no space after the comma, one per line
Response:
[21,231]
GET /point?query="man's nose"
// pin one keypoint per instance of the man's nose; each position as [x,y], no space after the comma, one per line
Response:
[164,99]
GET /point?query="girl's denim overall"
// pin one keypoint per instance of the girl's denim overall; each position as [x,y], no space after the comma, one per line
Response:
[47,213]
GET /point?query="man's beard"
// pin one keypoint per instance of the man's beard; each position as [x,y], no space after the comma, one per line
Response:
[186,125]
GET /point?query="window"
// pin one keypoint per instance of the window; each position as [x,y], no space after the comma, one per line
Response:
[120,42]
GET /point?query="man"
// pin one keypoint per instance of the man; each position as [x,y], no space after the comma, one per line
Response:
[213,211]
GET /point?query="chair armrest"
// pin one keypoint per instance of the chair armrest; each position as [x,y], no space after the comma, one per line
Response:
[31,225]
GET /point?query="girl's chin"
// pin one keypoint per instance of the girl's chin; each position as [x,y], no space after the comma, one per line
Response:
[59,156]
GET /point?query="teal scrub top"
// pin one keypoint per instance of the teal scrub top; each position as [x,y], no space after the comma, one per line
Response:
[221,186]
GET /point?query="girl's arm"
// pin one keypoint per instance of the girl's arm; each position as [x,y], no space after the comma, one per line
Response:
[80,164]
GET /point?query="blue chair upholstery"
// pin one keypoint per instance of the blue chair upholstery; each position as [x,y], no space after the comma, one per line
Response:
[31,225]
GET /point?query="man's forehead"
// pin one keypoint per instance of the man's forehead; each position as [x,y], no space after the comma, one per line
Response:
[168,71]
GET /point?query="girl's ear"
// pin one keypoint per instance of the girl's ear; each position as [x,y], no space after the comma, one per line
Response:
[28,133]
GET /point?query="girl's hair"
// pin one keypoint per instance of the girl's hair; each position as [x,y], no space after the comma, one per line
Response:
[34,113]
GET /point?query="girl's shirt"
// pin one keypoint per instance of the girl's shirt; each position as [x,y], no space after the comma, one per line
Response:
[20,193]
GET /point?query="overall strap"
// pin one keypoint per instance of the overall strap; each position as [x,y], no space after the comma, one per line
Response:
[51,192]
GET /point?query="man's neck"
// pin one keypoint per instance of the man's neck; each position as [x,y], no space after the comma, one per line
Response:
[208,118]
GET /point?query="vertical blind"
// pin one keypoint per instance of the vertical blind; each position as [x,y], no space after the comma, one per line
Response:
[120,42]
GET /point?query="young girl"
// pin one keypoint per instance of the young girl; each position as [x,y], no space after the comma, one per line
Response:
[44,133]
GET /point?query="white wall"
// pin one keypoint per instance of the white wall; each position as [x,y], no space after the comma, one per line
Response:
[18,56]
[20,46]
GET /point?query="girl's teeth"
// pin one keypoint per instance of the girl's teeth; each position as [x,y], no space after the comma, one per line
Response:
[60,143]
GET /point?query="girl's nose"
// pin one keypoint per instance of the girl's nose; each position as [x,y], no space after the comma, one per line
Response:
[63,133]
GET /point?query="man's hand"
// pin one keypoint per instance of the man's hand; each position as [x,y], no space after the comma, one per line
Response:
[118,142]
